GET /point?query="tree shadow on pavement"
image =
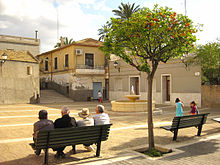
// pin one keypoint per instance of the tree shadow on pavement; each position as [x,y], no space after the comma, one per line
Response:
[159,140]
[196,149]
[32,159]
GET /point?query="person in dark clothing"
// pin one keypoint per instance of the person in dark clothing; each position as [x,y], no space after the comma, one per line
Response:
[42,124]
[64,122]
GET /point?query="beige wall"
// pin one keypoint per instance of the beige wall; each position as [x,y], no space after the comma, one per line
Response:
[20,43]
[16,86]
[184,83]
[211,96]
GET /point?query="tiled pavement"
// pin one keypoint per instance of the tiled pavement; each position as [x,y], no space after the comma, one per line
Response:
[204,151]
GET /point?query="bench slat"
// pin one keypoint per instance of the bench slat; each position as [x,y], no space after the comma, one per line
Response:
[53,140]
[52,135]
[69,142]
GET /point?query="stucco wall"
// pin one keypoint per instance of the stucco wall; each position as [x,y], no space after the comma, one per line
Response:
[211,96]
[16,86]
[20,43]
[184,84]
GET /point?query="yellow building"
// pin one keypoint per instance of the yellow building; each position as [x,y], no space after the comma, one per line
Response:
[77,70]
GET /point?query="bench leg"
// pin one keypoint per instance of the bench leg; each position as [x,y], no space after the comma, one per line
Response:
[98,149]
[199,130]
[46,157]
[175,134]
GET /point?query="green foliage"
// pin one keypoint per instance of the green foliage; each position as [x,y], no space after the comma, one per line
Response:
[208,56]
[126,10]
[149,37]
[153,153]
[66,42]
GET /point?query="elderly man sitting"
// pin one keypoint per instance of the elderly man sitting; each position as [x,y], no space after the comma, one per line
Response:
[63,122]
[42,124]
[101,118]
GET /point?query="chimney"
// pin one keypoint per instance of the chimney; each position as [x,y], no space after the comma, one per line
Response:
[36,34]
[61,41]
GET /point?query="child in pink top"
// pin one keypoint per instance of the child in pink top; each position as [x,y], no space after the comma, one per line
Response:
[193,108]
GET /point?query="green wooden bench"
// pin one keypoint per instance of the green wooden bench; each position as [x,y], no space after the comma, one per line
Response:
[71,136]
[185,122]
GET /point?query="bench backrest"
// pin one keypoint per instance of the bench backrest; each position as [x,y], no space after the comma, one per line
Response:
[72,136]
[189,120]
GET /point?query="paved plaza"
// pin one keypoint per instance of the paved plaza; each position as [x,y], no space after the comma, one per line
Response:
[129,131]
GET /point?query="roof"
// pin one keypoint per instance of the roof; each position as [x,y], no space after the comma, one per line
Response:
[85,42]
[89,42]
[15,55]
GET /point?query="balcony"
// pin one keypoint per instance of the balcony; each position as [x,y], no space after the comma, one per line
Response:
[85,69]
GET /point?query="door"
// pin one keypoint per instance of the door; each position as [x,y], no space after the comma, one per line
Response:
[166,88]
[96,87]
[134,81]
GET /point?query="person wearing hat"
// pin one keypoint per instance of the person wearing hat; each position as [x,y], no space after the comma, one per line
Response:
[86,121]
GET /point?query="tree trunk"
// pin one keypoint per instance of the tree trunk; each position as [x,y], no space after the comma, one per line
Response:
[150,116]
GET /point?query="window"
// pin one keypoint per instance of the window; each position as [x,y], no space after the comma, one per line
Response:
[29,70]
[66,60]
[89,59]
[46,64]
[55,63]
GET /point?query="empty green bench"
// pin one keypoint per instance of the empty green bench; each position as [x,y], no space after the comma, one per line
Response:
[71,136]
[185,122]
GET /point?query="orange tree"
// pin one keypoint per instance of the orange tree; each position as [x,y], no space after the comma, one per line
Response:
[147,38]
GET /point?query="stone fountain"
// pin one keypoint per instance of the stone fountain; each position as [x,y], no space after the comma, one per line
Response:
[131,105]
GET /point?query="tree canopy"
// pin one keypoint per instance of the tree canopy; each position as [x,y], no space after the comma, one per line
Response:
[150,35]
[208,56]
[147,38]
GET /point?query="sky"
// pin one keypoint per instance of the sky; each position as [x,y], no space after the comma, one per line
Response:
[80,19]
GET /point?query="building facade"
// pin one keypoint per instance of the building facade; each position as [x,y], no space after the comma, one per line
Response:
[76,70]
[19,77]
[20,43]
[171,80]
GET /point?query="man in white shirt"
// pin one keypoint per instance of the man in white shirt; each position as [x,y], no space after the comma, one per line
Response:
[101,118]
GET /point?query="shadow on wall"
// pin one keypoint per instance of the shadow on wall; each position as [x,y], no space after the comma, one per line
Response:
[35,100]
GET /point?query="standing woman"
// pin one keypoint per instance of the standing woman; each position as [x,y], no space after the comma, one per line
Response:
[179,107]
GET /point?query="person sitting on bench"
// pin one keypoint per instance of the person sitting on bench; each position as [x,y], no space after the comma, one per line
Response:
[86,121]
[101,118]
[63,122]
[42,124]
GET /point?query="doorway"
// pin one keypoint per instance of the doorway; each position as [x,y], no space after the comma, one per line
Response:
[96,87]
[166,88]
[134,81]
